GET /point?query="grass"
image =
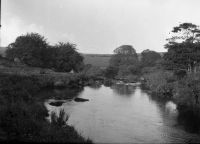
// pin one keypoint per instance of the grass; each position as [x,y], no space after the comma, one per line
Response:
[99,60]
[22,115]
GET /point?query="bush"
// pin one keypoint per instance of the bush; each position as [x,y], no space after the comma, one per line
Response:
[180,73]
[22,118]
[59,120]
[111,72]
[15,88]
[188,91]
[159,82]
[22,121]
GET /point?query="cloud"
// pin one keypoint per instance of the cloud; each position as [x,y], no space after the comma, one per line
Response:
[14,27]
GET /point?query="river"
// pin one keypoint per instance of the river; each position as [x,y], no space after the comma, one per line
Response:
[123,114]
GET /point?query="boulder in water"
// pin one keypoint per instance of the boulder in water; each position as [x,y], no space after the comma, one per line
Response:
[80,99]
[57,103]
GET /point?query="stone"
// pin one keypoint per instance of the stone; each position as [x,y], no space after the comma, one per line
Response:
[80,99]
[58,103]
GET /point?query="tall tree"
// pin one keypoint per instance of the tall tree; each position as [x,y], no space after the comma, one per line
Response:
[29,48]
[184,47]
[125,56]
[66,58]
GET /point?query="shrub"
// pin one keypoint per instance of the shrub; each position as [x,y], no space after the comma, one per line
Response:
[180,73]
[111,72]
[188,90]
[22,118]
[159,82]
[21,121]
[15,87]
[59,120]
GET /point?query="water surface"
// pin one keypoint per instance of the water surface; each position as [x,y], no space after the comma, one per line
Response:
[124,114]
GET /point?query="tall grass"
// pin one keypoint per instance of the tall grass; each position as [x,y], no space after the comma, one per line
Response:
[160,82]
[22,117]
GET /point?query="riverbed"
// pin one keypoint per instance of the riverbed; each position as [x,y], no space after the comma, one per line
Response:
[123,114]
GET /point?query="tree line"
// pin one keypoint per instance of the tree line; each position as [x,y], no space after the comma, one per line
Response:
[126,62]
[33,49]
[182,56]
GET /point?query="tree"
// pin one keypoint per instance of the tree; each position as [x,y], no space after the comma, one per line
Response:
[29,48]
[184,47]
[111,72]
[33,50]
[124,55]
[125,60]
[149,58]
[125,49]
[66,58]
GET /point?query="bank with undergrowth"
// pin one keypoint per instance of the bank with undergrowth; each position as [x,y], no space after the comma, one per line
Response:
[22,112]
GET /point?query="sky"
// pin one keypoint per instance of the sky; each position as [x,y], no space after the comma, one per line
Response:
[98,26]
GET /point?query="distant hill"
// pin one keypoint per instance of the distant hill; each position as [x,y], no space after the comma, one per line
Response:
[102,60]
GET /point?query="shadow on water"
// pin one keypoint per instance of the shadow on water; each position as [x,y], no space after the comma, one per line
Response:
[67,93]
[95,86]
[189,119]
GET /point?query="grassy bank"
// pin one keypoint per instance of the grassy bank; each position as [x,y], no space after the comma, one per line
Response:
[184,91]
[22,115]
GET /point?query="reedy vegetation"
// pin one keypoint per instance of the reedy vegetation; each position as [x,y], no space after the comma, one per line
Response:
[23,116]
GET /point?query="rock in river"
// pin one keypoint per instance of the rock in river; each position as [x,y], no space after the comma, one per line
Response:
[57,103]
[80,99]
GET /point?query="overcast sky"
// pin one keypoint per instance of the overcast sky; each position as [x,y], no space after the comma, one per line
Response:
[98,26]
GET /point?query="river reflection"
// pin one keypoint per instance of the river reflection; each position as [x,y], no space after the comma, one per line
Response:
[125,114]
[123,90]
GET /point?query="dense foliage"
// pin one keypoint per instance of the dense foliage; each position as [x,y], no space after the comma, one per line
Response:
[32,49]
[23,118]
[124,62]
[183,48]
[149,58]
[181,81]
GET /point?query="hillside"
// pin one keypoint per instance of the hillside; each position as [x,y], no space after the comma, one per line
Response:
[100,60]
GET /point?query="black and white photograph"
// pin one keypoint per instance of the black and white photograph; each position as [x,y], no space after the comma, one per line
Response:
[100,71]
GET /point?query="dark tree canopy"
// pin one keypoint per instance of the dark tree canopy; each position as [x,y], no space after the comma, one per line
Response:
[125,60]
[29,48]
[184,49]
[111,72]
[67,58]
[124,55]
[149,58]
[187,32]
[33,50]
[125,50]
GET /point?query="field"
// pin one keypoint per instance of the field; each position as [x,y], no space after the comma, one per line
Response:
[100,60]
